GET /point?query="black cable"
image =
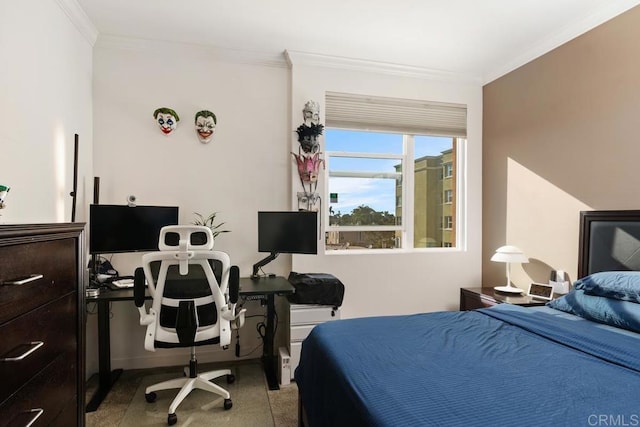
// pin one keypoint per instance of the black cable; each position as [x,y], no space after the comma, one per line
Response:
[237,343]
[254,349]
[262,330]
[275,323]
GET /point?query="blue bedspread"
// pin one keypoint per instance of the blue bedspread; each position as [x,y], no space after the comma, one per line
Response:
[488,367]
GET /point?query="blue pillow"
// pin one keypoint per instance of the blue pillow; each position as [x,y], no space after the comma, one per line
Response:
[614,312]
[621,285]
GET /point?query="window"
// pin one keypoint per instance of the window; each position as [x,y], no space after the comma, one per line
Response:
[448,196]
[367,184]
[448,222]
[386,160]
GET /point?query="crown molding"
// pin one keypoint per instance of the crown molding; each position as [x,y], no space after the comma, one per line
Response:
[353,64]
[575,29]
[190,49]
[79,19]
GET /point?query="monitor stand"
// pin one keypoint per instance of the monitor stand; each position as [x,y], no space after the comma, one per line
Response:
[262,263]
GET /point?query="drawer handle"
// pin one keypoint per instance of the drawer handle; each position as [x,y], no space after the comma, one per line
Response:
[38,412]
[36,345]
[23,280]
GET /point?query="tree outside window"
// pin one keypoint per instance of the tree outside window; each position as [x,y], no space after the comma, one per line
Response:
[374,175]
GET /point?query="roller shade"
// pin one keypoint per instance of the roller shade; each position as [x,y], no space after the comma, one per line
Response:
[349,111]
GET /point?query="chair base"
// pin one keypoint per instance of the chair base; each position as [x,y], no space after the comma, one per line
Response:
[201,381]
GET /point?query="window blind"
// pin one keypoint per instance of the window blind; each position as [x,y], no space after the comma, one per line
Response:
[374,113]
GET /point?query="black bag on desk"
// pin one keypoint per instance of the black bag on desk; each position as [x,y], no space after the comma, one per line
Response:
[316,288]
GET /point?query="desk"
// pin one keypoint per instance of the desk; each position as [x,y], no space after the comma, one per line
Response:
[267,287]
[106,377]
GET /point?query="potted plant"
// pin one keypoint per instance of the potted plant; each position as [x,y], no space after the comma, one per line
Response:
[209,221]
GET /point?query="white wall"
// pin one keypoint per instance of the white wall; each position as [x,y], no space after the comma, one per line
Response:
[248,167]
[245,168]
[404,282]
[45,98]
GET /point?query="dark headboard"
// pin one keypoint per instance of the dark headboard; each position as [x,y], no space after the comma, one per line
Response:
[609,241]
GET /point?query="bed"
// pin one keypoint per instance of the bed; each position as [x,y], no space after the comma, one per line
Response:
[575,361]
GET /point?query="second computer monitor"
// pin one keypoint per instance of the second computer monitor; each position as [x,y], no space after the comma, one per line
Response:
[288,232]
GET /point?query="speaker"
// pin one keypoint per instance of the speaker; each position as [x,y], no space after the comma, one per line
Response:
[284,366]
[74,192]
[96,190]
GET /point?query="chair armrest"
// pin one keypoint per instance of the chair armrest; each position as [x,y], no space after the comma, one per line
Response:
[234,284]
[236,320]
[139,287]
[146,318]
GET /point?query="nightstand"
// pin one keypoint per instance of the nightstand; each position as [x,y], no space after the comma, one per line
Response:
[472,298]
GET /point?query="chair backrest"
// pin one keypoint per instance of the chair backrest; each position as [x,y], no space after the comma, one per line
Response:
[187,296]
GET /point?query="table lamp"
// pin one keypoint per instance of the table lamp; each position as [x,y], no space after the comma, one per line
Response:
[509,254]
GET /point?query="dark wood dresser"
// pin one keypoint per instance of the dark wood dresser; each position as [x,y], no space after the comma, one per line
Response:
[42,324]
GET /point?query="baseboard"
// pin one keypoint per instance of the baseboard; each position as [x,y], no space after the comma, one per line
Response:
[177,357]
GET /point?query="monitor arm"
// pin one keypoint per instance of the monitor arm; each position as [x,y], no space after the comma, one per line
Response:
[262,263]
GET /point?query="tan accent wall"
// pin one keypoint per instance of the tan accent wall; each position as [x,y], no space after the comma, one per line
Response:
[560,135]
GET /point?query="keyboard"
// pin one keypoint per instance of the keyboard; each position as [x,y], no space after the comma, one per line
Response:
[123,283]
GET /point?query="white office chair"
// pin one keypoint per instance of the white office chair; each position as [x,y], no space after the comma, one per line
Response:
[191,306]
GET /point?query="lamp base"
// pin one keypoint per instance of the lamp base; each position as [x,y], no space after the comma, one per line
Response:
[508,289]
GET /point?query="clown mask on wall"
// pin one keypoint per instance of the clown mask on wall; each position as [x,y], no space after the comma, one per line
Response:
[167,119]
[205,125]
[4,189]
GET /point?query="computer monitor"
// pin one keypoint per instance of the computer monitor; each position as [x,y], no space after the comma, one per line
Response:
[120,228]
[286,232]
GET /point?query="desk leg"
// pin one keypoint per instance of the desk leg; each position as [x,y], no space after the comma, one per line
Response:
[106,377]
[268,359]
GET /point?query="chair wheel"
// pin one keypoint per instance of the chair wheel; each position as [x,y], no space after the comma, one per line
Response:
[228,404]
[231,378]
[151,397]
[172,419]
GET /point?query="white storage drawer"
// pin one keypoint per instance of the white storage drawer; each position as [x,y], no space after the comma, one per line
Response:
[305,314]
[294,357]
[302,319]
[299,333]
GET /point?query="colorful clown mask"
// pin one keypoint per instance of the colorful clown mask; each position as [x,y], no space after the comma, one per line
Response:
[205,122]
[167,119]
[308,166]
[4,189]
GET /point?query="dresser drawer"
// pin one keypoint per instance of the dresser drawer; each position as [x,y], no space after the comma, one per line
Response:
[55,260]
[69,415]
[304,314]
[48,392]
[42,334]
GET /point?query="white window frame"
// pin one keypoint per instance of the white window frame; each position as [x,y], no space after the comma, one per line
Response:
[407,207]
[351,174]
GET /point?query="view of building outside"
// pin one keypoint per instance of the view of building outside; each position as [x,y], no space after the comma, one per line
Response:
[434,200]
[434,218]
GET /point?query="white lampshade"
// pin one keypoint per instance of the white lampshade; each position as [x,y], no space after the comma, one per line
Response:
[509,254]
